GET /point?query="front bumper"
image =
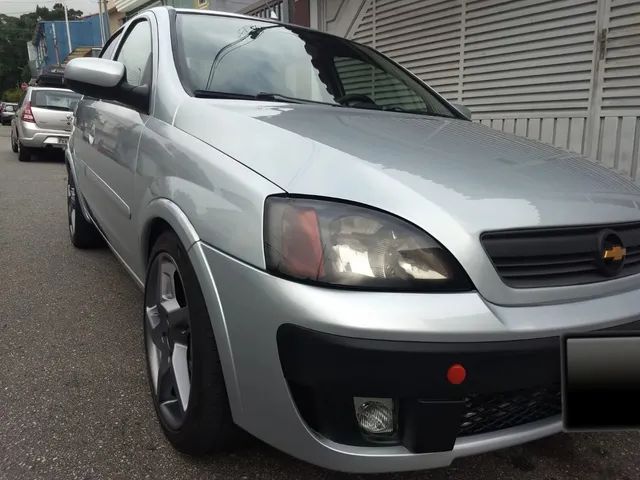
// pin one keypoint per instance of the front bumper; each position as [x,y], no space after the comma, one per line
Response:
[508,384]
[282,342]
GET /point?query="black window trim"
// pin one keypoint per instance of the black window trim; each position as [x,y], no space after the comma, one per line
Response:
[122,34]
[117,35]
[126,37]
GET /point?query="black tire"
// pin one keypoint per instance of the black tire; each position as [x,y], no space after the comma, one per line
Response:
[14,144]
[206,424]
[24,153]
[83,233]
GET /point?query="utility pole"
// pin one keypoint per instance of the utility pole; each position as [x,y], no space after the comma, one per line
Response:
[101,23]
[107,25]
[55,43]
[66,19]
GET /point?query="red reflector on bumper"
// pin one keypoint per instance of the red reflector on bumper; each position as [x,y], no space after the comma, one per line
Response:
[456,374]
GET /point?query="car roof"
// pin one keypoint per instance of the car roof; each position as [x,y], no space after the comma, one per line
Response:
[50,88]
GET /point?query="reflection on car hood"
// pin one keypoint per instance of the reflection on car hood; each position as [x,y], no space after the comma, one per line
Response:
[446,175]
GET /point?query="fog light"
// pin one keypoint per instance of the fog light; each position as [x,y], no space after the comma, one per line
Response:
[374,415]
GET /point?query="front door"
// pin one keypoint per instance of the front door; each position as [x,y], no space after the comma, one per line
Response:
[112,137]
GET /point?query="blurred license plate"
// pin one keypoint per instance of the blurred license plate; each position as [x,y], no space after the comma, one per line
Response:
[601,382]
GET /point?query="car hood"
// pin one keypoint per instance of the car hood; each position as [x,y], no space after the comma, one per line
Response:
[454,178]
[483,178]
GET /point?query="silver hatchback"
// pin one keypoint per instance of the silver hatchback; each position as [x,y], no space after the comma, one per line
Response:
[7,112]
[334,258]
[43,119]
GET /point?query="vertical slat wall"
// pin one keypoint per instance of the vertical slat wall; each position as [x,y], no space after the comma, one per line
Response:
[424,36]
[360,78]
[619,117]
[266,9]
[529,67]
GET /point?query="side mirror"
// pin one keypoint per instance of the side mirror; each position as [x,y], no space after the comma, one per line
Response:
[463,110]
[105,79]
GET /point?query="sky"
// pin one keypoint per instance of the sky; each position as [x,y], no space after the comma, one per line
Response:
[18,7]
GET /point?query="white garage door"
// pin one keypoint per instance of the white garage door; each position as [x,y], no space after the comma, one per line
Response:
[566,72]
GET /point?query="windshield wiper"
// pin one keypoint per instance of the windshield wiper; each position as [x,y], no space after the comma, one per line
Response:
[254,32]
[278,97]
[262,96]
[414,111]
[215,94]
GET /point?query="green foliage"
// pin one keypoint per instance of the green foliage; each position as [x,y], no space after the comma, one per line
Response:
[11,95]
[15,32]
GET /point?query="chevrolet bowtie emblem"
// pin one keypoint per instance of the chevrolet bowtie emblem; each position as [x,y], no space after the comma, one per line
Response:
[615,253]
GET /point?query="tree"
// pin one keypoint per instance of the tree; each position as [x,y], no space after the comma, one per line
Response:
[15,32]
[11,95]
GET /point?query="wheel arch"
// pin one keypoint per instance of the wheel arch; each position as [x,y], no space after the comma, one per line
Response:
[162,214]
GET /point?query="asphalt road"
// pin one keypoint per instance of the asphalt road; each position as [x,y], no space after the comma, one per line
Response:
[74,400]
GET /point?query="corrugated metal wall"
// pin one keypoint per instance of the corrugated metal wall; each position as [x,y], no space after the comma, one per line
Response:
[566,72]
[616,132]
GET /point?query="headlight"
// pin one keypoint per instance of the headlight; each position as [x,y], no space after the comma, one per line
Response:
[340,244]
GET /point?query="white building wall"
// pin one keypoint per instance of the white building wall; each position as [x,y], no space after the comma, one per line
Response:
[566,72]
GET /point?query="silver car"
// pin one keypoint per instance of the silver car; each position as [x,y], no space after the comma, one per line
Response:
[43,119]
[334,258]
[7,112]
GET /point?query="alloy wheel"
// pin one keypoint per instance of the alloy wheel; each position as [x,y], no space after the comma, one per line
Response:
[168,339]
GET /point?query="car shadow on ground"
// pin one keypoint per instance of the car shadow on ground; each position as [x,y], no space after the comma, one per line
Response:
[49,155]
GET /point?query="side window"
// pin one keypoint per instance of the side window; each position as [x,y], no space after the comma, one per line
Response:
[110,47]
[135,54]
[360,78]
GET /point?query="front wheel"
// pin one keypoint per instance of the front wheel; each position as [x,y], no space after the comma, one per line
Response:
[185,375]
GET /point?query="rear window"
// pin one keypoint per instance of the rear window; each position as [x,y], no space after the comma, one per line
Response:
[54,99]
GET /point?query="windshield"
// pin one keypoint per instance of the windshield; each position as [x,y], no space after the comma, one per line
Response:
[54,99]
[251,58]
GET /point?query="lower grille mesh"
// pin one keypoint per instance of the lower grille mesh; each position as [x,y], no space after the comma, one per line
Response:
[497,411]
